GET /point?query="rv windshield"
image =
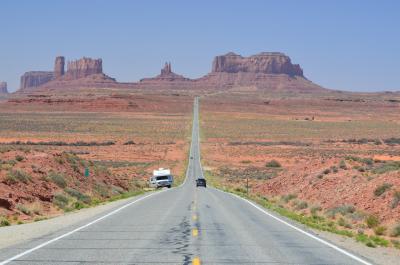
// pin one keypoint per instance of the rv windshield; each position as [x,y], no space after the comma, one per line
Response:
[162,177]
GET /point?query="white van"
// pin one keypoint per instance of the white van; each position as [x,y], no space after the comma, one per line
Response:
[161,178]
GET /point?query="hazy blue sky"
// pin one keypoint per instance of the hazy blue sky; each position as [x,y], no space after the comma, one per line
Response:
[349,45]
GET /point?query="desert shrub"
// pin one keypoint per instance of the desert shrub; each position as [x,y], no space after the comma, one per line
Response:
[61,200]
[342,209]
[78,205]
[382,189]
[380,230]
[344,223]
[101,189]
[342,164]
[368,161]
[372,221]
[396,199]
[19,158]
[326,171]
[320,176]
[334,169]
[288,197]
[14,176]
[245,162]
[78,195]
[361,169]
[24,209]
[314,209]
[300,205]
[387,167]
[392,141]
[129,142]
[4,221]
[273,163]
[395,243]
[395,230]
[58,179]
[115,190]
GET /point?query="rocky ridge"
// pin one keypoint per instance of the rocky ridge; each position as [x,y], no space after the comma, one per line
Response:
[3,88]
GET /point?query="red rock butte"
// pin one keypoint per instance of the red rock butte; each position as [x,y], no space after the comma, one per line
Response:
[266,70]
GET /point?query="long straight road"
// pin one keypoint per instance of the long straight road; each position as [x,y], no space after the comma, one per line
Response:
[183,225]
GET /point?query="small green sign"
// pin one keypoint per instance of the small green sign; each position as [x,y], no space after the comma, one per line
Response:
[87,172]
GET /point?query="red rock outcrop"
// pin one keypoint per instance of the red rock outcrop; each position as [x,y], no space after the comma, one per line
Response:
[83,68]
[3,88]
[165,76]
[266,70]
[35,79]
[59,66]
[265,62]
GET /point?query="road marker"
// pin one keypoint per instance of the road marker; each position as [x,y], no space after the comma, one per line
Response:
[77,229]
[195,232]
[196,261]
[194,217]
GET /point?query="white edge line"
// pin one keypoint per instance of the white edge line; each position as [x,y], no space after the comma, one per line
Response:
[76,230]
[300,230]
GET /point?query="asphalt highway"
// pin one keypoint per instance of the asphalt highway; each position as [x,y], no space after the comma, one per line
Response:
[182,225]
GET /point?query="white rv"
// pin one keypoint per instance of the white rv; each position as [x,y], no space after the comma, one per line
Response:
[161,178]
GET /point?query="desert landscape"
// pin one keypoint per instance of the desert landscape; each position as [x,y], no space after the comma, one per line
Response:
[328,159]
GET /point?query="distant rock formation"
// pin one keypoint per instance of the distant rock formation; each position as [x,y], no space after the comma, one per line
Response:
[166,75]
[265,62]
[59,66]
[266,71]
[3,88]
[35,78]
[80,73]
[84,67]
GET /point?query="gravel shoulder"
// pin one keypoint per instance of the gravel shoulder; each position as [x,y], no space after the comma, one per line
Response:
[379,255]
[17,234]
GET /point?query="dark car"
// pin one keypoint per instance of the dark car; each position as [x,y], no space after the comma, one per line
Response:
[200,182]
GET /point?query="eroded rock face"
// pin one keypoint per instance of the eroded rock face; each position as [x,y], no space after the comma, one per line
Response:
[59,66]
[3,88]
[165,75]
[84,67]
[35,78]
[266,62]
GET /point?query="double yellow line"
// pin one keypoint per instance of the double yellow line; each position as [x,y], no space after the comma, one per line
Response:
[195,231]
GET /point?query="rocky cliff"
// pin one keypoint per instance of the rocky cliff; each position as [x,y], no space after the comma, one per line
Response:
[266,62]
[3,88]
[84,67]
[35,78]
[59,66]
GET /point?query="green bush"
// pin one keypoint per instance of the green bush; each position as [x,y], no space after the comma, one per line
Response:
[380,230]
[396,199]
[382,189]
[372,221]
[387,167]
[78,195]
[326,171]
[288,197]
[58,179]
[396,231]
[4,221]
[273,163]
[300,205]
[19,158]
[342,164]
[22,208]
[61,200]
[342,209]
[14,176]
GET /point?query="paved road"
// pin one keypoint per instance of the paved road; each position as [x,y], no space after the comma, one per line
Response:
[183,225]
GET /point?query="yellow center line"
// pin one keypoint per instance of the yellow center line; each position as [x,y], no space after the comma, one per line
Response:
[196,261]
[195,232]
